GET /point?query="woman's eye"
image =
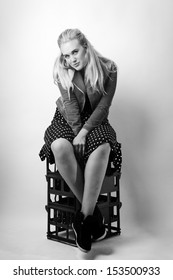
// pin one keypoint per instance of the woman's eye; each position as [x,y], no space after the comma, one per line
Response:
[66,56]
[75,52]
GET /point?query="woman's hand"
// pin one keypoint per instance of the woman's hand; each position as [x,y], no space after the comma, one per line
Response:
[79,142]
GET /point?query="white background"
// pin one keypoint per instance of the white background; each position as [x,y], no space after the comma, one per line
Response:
[138,36]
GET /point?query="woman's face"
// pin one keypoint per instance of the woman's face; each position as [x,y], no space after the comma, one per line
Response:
[74,54]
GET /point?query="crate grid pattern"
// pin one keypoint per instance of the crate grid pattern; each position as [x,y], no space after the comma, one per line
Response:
[62,205]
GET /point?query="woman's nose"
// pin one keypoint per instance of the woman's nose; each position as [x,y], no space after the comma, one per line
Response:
[73,59]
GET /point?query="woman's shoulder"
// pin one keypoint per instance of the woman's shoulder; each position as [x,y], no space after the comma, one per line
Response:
[109,64]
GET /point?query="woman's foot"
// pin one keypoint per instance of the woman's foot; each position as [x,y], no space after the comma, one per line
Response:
[82,229]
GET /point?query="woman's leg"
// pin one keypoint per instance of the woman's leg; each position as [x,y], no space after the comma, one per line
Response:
[68,166]
[94,174]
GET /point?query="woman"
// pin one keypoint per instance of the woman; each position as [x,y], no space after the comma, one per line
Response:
[80,139]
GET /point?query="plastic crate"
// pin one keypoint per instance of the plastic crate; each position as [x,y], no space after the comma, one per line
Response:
[62,206]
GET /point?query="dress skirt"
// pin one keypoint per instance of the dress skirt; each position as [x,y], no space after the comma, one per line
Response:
[103,133]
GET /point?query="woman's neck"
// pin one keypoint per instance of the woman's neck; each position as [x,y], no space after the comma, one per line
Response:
[82,71]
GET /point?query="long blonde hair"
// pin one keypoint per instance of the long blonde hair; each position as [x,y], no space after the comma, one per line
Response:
[97,67]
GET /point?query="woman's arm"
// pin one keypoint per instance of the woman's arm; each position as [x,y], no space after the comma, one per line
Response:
[72,110]
[102,109]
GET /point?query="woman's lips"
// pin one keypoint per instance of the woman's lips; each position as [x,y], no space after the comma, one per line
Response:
[76,64]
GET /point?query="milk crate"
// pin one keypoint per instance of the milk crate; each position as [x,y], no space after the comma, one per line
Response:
[62,206]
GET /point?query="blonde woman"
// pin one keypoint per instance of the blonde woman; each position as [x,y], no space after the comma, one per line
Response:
[80,139]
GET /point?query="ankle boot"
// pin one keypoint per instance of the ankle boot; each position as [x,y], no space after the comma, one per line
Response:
[82,229]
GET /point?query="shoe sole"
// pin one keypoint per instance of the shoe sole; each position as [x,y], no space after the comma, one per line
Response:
[101,237]
[83,250]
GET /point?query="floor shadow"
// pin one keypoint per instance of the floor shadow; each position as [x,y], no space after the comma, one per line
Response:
[96,251]
[106,248]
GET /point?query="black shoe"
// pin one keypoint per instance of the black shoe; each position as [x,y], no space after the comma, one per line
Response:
[82,230]
[98,230]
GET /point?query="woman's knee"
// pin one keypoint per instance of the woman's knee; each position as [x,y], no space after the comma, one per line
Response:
[61,148]
[104,150]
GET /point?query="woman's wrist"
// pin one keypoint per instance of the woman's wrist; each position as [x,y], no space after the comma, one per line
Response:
[83,132]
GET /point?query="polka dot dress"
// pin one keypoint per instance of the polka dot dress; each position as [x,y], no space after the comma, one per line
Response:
[104,133]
